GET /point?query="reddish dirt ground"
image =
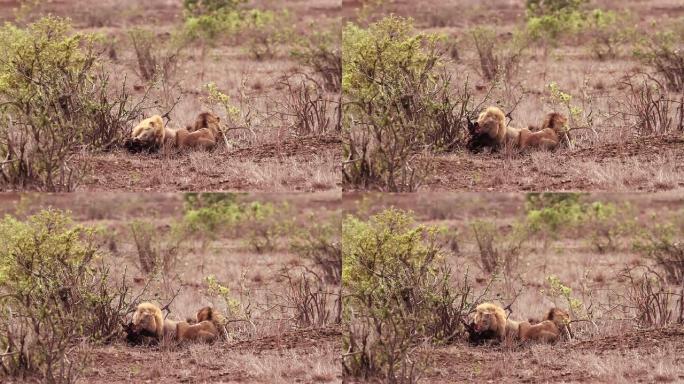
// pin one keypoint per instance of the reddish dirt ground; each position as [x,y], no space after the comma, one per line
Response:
[117,171]
[463,363]
[120,363]
[498,172]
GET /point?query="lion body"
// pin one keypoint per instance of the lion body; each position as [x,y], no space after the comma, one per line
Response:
[204,331]
[492,122]
[490,317]
[153,132]
[148,320]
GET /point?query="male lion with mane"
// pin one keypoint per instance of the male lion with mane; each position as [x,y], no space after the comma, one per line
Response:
[149,321]
[491,318]
[490,129]
[150,134]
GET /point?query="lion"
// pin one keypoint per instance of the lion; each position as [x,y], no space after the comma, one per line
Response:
[492,122]
[562,321]
[214,316]
[204,331]
[149,321]
[491,318]
[206,120]
[151,131]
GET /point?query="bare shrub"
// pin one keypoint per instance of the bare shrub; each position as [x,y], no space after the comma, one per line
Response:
[156,251]
[312,110]
[662,51]
[321,52]
[499,253]
[53,297]
[315,303]
[498,59]
[651,109]
[663,244]
[320,243]
[652,300]
[154,60]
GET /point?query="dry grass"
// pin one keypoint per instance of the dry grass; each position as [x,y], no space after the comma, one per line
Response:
[251,84]
[615,349]
[274,348]
[597,87]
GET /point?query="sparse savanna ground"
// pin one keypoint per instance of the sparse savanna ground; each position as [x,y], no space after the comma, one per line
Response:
[613,260]
[268,69]
[190,251]
[625,110]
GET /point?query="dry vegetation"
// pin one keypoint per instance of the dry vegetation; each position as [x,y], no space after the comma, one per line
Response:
[609,259]
[269,69]
[270,262]
[614,67]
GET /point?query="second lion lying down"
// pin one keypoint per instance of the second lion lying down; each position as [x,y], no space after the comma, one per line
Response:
[148,321]
[490,321]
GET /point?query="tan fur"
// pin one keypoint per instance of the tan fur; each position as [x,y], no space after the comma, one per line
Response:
[491,317]
[214,316]
[152,130]
[206,120]
[204,331]
[562,321]
[493,122]
[546,331]
[148,317]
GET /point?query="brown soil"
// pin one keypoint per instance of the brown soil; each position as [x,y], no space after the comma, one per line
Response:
[463,363]
[121,171]
[202,364]
[499,172]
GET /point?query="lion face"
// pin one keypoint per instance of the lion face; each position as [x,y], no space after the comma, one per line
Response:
[204,314]
[558,315]
[144,321]
[149,130]
[489,125]
[555,121]
[485,321]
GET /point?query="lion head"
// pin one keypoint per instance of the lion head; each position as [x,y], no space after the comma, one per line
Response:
[148,320]
[555,121]
[490,317]
[493,123]
[562,320]
[150,130]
